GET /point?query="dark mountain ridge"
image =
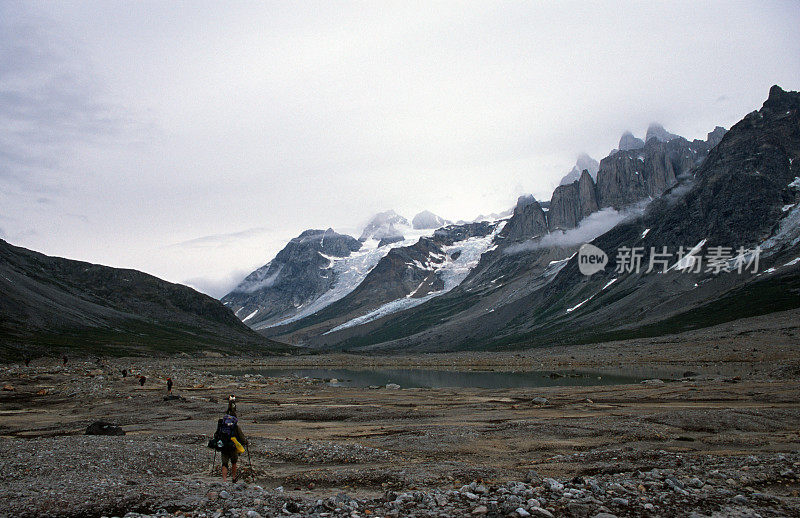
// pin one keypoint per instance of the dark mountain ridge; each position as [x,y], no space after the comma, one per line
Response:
[50,304]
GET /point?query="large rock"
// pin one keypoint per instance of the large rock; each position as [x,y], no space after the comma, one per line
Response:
[627,142]
[528,221]
[572,202]
[657,131]
[626,177]
[738,193]
[587,194]
[565,208]
[715,137]
[659,172]
[584,163]
[104,428]
[620,180]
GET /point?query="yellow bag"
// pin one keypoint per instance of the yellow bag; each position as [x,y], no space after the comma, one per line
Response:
[239,447]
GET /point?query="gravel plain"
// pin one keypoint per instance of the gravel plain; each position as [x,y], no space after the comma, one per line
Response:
[717,435]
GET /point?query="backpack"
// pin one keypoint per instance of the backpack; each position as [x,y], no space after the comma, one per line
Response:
[223,437]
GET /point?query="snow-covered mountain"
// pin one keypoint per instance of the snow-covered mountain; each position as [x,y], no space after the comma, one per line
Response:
[400,268]
[428,220]
[316,269]
[386,226]
[503,281]
[527,288]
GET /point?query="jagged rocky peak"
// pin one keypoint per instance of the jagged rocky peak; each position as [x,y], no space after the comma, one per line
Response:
[657,131]
[564,210]
[779,100]
[715,137]
[587,163]
[428,220]
[528,221]
[587,194]
[572,202]
[584,162]
[384,225]
[628,142]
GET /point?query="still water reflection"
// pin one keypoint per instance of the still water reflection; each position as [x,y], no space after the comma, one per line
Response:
[430,378]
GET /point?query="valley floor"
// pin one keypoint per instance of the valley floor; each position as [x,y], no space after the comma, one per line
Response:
[720,436]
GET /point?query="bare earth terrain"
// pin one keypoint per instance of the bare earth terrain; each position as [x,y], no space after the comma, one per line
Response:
[720,436]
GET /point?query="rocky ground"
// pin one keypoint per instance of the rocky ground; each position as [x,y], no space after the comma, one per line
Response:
[720,436]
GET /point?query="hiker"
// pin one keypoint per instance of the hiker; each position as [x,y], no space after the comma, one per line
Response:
[124,373]
[142,379]
[228,433]
[27,361]
[65,360]
[169,385]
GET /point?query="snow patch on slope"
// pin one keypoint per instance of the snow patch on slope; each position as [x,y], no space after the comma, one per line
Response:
[579,304]
[451,271]
[690,259]
[349,271]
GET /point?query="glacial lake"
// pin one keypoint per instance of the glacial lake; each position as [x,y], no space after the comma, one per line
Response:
[433,378]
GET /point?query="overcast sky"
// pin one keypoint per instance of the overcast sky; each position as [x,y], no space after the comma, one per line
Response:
[192,140]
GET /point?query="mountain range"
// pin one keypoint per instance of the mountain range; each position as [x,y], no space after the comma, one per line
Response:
[514,281]
[53,305]
[690,233]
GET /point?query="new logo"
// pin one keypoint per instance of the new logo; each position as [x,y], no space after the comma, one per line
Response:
[591,259]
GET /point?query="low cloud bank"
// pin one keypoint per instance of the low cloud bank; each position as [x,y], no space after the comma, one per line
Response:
[216,287]
[591,227]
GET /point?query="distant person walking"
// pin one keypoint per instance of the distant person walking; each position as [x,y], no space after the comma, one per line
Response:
[229,440]
[27,361]
[124,373]
[65,360]
[142,379]
[169,385]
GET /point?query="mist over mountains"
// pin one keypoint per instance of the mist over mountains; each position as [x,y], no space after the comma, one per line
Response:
[507,280]
[419,291]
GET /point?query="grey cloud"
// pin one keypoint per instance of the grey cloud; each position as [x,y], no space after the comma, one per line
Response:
[313,118]
[216,287]
[49,101]
[593,226]
[80,217]
[216,240]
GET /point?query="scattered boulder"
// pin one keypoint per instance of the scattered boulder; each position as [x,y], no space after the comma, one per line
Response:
[104,428]
[538,511]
